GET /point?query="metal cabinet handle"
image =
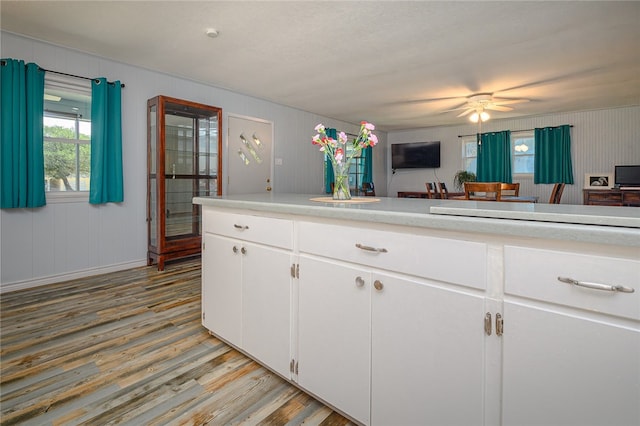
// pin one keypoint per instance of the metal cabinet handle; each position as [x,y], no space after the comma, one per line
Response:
[359,282]
[235,249]
[487,323]
[243,227]
[243,250]
[597,286]
[499,325]
[377,284]
[369,248]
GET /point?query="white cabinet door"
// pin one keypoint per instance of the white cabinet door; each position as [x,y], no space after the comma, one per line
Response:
[427,354]
[562,368]
[266,305]
[221,287]
[334,340]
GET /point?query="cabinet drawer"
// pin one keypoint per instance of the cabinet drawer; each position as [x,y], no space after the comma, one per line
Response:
[533,273]
[453,261]
[257,229]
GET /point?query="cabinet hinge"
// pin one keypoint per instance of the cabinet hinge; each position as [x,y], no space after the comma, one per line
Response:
[292,365]
[203,316]
[499,325]
[487,324]
[295,270]
[203,246]
[296,367]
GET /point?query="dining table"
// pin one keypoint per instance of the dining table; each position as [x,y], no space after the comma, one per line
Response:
[504,198]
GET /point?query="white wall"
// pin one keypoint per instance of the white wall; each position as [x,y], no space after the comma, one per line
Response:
[69,240]
[599,140]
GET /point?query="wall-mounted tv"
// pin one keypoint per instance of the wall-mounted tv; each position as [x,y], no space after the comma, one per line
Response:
[627,176]
[416,155]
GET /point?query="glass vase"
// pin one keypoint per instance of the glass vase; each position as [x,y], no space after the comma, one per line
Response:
[341,182]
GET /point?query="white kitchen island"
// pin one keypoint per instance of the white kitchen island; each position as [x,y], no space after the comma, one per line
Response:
[433,312]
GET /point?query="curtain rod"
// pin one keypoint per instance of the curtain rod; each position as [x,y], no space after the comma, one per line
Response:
[3,63]
[513,131]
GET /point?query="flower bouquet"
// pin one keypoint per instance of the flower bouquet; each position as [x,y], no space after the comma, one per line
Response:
[341,156]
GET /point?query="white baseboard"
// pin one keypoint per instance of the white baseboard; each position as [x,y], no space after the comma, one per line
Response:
[21,285]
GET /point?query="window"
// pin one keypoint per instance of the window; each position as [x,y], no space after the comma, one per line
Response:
[67,135]
[470,154]
[522,153]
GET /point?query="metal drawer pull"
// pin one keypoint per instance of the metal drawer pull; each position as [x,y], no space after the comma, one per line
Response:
[377,284]
[597,286]
[359,282]
[240,226]
[368,248]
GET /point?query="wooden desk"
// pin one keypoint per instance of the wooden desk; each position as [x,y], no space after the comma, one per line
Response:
[611,197]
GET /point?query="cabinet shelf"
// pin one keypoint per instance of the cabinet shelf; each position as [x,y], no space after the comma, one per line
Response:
[183,146]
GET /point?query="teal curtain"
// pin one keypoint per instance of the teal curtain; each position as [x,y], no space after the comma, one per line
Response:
[21,149]
[367,160]
[552,162]
[494,157]
[328,167]
[106,142]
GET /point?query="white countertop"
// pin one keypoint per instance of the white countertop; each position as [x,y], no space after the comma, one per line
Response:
[593,224]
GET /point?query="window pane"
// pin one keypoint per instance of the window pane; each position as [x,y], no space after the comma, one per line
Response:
[523,154]
[58,127]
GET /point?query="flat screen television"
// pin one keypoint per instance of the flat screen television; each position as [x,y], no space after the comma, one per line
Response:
[627,176]
[416,155]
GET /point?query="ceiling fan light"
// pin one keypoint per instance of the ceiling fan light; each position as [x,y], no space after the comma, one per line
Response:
[474,117]
[484,116]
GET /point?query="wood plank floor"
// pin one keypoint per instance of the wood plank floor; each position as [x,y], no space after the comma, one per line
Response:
[128,348]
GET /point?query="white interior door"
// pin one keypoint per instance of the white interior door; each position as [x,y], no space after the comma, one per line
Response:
[249,154]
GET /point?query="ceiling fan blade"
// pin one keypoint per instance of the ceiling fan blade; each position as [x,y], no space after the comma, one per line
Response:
[426,100]
[462,114]
[498,108]
[509,101]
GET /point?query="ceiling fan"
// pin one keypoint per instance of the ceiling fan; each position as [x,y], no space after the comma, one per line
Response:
[478,104]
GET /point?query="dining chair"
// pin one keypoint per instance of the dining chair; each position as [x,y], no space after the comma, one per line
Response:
[511,189]
[491,191]
[368,189]
[431,189]
[556,193]
[444,194]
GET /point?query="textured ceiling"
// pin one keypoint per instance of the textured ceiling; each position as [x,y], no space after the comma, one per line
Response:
[397,64]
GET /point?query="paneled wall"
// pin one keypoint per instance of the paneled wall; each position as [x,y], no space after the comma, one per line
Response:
[600,139]
[68,240]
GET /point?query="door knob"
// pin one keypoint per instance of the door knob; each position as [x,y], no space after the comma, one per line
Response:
[377,284]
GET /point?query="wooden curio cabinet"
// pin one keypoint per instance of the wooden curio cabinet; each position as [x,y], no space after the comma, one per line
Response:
[184,143]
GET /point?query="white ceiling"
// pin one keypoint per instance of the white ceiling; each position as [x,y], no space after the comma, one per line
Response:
[397,64]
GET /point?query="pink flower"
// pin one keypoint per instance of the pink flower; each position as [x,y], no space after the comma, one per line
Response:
[342,137]
[373,139]
[368,126]
[320,128]
[339,155]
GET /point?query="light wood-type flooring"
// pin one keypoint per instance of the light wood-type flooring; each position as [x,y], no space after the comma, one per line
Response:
[128,348]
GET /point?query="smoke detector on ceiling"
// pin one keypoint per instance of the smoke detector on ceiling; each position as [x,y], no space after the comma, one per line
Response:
[212,32]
